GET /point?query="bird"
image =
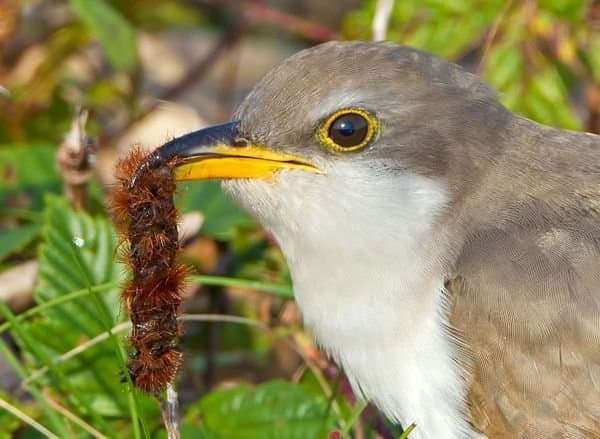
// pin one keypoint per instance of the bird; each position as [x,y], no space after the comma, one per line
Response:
[444,251]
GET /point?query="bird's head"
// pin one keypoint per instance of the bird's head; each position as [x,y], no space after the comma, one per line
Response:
[357,156]
[347,139]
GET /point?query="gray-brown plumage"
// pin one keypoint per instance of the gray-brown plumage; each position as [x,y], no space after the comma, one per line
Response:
[450,262]
[525,288]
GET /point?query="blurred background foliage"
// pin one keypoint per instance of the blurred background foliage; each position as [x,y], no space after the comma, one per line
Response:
[144,71]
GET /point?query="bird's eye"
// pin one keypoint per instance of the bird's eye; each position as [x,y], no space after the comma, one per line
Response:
[348,130]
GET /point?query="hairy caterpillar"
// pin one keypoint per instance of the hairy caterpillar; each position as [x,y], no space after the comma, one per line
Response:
[145,215]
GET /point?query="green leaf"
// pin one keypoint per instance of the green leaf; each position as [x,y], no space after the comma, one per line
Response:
[505,67]
[276,409]
[442,27]
[16,239]
[168,13]
[311,383]
[77,252]
[408,431]
[113,32]
[29,172]
[548,100]
[572,10]
[221,215]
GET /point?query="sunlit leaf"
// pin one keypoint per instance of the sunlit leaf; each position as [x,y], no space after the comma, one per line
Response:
[16,239]
[505,66]
[29,172]
[221,215]
[573,10]
[548,100]
[273,410]
[113,32]
[77,252]
[167,13]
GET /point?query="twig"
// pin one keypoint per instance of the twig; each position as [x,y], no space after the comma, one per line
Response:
[9,19]
[17,45]
[75,419]
[29,421]
[314,368]
[331,401]
[489,40]
[36,374]
[75,159]
[355,416]
[170,412]
[593,105]
[194,74]
[290,23]
[217,305]
[227,83]
[259,12]
[228,40]
[251,12]
[223,318]
[381,20]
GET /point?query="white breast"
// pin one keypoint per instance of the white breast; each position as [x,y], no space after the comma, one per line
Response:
[366,276]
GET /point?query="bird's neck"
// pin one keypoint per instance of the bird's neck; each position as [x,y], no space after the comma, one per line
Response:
[370,286]
[383,319]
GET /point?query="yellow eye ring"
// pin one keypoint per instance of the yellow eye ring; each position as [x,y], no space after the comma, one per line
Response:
[347,130]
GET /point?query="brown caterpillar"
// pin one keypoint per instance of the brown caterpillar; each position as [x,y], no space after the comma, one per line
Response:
[145,215]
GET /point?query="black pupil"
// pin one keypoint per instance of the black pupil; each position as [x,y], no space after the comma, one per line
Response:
[346,128]
[349,130]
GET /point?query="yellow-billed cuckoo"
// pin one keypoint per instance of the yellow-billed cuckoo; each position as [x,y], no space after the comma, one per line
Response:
[444,251]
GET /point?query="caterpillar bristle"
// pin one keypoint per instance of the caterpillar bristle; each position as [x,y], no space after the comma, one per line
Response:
[146,217]
[150,372]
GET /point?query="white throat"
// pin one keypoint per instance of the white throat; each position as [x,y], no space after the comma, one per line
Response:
[374,300]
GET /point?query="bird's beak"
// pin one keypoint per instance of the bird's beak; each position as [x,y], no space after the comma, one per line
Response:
[212,153]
